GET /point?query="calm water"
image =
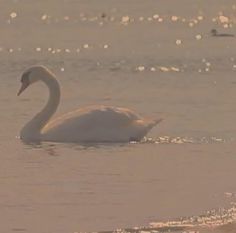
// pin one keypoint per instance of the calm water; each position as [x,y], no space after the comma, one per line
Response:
[155,57]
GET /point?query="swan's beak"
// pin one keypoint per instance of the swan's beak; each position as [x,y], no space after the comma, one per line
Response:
[23,87]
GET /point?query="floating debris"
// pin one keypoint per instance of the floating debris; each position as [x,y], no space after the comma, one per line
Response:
[105,46]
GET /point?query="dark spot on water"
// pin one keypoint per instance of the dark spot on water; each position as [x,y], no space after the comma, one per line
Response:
[103,15]
[18,229]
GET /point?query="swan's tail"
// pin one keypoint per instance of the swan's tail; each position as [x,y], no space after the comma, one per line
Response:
[154,123]
[158,121]
[144,127]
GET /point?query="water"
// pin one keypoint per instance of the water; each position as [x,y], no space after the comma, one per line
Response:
[157,58]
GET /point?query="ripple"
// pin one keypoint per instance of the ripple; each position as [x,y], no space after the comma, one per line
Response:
[184,140]
[212,219]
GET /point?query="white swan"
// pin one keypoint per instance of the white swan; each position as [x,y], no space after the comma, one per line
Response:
[90,124]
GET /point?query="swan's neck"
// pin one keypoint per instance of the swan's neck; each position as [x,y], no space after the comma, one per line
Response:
[32,130]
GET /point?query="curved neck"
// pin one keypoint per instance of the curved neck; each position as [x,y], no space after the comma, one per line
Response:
[32,130]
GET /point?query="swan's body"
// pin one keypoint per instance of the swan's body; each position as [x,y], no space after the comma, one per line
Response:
[90,124]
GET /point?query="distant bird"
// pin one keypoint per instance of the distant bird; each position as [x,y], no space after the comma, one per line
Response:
[89,124]
[214,32]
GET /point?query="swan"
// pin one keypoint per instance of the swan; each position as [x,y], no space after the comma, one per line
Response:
[89,124]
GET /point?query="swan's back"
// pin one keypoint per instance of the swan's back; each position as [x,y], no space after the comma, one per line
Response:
[98,124]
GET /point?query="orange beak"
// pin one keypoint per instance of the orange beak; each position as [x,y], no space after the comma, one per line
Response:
[23,87]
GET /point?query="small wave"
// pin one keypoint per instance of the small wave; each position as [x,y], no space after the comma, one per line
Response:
[211,220]
[184,140]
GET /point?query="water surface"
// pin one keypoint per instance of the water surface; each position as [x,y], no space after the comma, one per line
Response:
[157,58]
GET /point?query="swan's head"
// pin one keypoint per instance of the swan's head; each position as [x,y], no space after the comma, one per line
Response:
[32,75]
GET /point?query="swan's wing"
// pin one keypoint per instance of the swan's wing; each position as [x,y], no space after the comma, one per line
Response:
[98,124]
[92,117]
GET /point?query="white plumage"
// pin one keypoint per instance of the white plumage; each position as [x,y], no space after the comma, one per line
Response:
[89,124]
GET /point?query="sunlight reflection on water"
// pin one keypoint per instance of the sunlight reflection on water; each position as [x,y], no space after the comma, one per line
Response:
[211,220]
[154,58]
